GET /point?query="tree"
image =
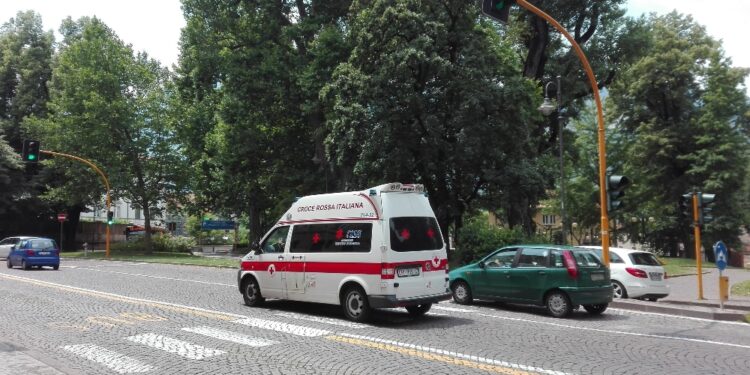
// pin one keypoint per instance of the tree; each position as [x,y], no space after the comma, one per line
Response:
[111,107]
[684,105]
[11,171]
[429,95]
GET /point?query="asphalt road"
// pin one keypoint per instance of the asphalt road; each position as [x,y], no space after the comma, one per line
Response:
[99,317]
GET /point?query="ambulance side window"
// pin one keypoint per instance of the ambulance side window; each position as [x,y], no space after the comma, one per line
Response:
[331,238]
[276,241]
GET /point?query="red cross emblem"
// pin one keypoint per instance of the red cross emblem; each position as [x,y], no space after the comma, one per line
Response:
[405,234]
[316,238]
[339,234]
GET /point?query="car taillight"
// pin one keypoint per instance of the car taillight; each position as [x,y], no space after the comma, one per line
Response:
[447,267]
[30,252]
[387,271]
[636,272]
[56,252]
[570,264]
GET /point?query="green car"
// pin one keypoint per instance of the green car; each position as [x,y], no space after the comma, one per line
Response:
[558,277]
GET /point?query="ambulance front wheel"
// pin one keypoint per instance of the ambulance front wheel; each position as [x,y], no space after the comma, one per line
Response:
[355,304]
[251,292]
[418,310]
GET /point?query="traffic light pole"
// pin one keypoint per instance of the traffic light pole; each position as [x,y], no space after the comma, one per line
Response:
[600,120]
[698,254]
[104,179]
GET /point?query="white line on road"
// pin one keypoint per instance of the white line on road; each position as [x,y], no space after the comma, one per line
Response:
[453,309]
[179,347]
[455,354]
[283,327]
[625,312]
[158,277]
[116,362]
[230,336]
[580,328]
[319,319]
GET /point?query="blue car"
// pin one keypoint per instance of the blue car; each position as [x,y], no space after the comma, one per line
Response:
[34,252]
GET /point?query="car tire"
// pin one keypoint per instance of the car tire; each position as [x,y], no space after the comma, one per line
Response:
[355,304]
[419,310]
[56,267]
[462,293]
[25,265]
[618,290]
[652,299]
[595,309]
[251,292]
[558,304]
[8,263]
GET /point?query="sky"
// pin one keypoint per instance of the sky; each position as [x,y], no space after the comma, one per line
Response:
[154,25]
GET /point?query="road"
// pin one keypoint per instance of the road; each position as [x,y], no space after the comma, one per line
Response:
[99,317]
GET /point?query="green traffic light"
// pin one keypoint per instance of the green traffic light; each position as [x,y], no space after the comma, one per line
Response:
[500,5]
[31,157]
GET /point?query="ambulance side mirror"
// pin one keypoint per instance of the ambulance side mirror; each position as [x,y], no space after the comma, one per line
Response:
[255,247]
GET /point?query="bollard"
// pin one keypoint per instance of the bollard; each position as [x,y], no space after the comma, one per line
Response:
[723,289]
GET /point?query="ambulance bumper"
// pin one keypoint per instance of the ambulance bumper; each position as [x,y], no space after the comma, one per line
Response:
[385,301]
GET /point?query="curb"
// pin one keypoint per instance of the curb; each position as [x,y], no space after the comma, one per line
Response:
[703,312]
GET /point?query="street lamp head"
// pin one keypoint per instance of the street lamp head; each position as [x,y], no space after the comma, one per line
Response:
[547,107]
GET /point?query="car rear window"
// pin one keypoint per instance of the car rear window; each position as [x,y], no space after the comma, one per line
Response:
[586,258]
[644,259]
[41,244]
[415,233]
[331,238]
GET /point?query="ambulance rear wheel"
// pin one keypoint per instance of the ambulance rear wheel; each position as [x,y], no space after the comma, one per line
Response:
[251,292]
[419,310]
[355,304]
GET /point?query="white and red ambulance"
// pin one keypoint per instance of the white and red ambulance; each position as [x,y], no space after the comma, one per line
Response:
[376,248]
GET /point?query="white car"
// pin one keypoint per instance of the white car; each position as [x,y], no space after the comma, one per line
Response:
[636,274]
[7,243]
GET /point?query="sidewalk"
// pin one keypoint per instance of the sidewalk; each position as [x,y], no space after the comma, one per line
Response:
[683,297]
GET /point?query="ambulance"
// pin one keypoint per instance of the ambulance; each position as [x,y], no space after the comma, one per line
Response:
[377,248]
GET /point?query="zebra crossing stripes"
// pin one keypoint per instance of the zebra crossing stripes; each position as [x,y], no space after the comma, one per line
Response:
[116,362]
[320,319]
[234,337]
[179,347]
[283,327]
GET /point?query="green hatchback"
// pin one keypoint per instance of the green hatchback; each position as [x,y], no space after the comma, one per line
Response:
[558,277]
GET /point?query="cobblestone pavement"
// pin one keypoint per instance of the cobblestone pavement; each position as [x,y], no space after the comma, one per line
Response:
[100,317]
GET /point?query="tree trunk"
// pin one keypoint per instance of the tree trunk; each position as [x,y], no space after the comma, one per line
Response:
[147,226]
[255,226]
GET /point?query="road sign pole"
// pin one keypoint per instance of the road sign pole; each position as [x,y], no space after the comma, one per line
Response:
[698,253]
[61,235]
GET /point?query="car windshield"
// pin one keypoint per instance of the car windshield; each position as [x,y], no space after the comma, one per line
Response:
[415,234]
[42,244]
[644,259]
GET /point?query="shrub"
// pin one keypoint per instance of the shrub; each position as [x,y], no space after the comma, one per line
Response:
[160,243]
[478,237]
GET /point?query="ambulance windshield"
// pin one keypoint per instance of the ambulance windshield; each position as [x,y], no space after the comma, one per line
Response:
[415,234]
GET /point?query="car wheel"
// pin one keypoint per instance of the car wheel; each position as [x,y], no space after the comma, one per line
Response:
[419,310]
[558,304]
[595,309]
[251,292]
[652,299]
[355,304]
[24,265]
[462,293]
[8,263]
[618,290]
[56,267]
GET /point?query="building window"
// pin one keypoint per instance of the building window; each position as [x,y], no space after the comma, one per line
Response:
[137,213]
[548,219]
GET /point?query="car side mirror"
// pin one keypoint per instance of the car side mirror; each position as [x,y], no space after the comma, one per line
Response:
[255,248]
[481,265]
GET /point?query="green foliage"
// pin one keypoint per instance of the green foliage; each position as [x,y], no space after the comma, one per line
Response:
[160,244]
[478,237]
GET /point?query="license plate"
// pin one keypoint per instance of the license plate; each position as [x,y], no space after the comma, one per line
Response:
[656,276]
[597,276]
[406,272]
[43,253]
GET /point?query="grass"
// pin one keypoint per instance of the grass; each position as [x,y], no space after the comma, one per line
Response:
[682,266]
[741,289]
[167,258]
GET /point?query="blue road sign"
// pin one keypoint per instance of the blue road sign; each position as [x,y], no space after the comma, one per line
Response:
[217,224]
[722,255]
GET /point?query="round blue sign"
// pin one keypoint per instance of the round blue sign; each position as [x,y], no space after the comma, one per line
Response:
[722,255]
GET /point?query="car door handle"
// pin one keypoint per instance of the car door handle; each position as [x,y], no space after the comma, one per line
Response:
[281,257]
[542,272]
[297,257]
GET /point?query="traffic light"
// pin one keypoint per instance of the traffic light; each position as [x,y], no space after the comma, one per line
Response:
[615,191]
[686,206]
[110,218]
[497,9]
[30,150]
[705,207]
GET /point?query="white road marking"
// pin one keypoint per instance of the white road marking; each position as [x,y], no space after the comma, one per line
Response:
[625,312]
[230,336]
[179,347]
[453,309]
[283,327]
[463,356]
[319,319]
[157,277]
[116,362]
[580,328]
